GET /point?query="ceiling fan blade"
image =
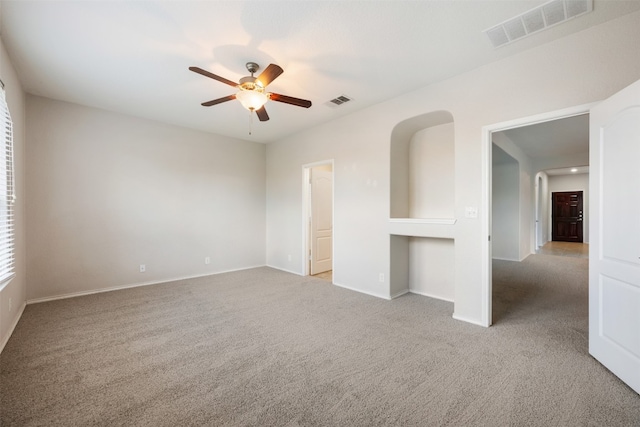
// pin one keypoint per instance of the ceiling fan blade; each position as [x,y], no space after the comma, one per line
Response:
[219,100]
[262,114]
[269,74]
[213,76]
[290,100]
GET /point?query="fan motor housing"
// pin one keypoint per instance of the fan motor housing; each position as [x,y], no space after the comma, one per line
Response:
[247,80]
[249,83]
[252,67]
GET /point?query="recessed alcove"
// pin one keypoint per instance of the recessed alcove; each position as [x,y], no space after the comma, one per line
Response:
[422,167]
[422,206]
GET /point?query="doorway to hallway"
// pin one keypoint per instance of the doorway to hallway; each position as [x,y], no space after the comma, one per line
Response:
[543,148]
[318,219]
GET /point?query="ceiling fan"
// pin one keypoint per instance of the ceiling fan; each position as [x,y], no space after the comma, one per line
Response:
[252,92]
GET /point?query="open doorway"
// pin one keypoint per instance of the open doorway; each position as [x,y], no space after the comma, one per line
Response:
[318,219]
[566,213]
[528,269]
[533,149]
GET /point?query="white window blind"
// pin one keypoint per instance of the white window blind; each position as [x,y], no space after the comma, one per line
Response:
[7,196]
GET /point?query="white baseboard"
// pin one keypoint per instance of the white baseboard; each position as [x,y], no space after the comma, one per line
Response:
[361,291]
[399,294]
[285,270]
[468,320]
[513,259]
[507,259]
[338,284]
[425,294]
[5,339]
[133,285]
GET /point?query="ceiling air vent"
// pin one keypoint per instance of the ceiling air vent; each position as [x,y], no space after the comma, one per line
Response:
[339,100]
[547,15]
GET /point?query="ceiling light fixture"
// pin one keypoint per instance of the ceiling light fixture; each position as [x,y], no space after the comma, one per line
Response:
[252,97]
[251,94]
[251,91]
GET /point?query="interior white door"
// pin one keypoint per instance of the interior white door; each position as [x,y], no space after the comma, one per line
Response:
[614,259]
[321,178]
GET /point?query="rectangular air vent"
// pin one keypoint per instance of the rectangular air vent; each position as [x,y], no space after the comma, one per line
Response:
[533,21]
[339,100]
[537,19]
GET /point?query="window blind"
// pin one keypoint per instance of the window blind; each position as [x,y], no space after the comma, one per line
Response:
[7,195]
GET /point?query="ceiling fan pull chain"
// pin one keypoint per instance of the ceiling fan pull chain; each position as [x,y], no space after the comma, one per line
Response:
[250,121]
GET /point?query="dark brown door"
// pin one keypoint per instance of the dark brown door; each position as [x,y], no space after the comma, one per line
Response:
[566,216]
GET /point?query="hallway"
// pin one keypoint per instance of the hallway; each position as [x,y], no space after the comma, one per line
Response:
[570,249]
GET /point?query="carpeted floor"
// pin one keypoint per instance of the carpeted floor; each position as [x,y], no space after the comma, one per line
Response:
[266,348]
[574,249]
[327,275]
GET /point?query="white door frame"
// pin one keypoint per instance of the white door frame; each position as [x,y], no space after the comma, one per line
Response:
[485,203]
[539,213]
[306,211]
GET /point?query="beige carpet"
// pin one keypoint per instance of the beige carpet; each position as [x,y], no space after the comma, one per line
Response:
[267,348]
[579,250]
[327,275]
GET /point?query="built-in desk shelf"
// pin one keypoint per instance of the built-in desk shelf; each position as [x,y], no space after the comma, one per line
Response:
[442,228]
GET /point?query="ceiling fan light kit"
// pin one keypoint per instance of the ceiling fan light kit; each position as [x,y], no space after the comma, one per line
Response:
[252,90]
[252,99]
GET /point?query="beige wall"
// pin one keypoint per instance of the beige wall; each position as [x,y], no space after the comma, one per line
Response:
[13,295]
[505,206]
[523,234]
[107,192]
[585,67]
[432,195]
[431,173]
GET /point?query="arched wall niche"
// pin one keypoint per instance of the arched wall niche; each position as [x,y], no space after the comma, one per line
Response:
[422,214]
[422,167]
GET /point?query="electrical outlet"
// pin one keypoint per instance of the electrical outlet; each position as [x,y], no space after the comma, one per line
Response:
[207,260]
[289,257]
[381,277]
[143,268]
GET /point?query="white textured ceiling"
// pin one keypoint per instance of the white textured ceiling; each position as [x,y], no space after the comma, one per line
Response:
[553,138]
[556,138]
[133,56]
